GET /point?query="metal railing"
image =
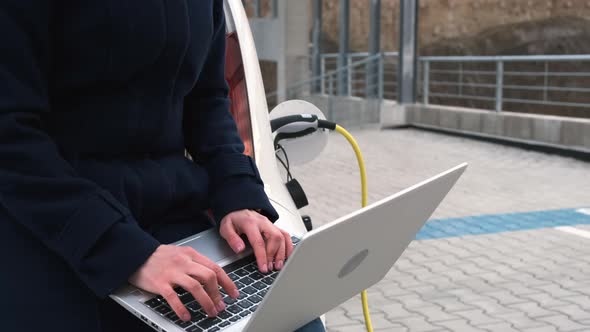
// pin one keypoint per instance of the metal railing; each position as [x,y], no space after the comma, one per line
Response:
[356,75]
[547,84]
[540,83]
[361,82]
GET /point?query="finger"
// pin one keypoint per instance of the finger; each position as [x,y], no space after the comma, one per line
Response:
[222,278]
[229,233]
[281,253]
[288,243]
[198,292]
[274,239]
[172,298]
[208,279]
[258,245]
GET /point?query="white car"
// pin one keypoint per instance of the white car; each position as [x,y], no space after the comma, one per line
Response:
[250,111]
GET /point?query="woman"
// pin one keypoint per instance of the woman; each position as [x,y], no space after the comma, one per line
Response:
[98,102]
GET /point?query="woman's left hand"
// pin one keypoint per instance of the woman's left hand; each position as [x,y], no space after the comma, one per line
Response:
[271,245]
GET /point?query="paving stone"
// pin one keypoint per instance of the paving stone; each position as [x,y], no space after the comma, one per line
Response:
[459,325]
[574,312]
[435,314]
[498,327]
[417,323]
[545,300]
[519,320]
[563,323]
[476,317]
[545,328]
[532,309]
[394,311]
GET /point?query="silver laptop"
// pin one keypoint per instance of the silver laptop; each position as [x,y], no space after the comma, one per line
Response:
[329,265]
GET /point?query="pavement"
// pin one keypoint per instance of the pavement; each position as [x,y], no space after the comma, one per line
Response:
[507,250]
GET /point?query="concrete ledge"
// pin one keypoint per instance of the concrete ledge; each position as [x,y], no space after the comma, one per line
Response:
[558,131]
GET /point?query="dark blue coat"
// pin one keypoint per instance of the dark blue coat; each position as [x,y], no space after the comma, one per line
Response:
[98,101]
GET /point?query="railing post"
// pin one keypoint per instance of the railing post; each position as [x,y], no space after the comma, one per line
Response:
[275,8]
[349,73]
[331,85]
[257,8]
[546,81]
[460,79]
[323,74]
[499,84]
[381,77]
[426,82]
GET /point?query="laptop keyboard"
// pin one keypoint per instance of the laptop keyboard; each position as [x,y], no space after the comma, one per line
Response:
[251,283]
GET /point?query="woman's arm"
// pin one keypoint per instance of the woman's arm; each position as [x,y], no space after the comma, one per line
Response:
[212,138]
[72,216]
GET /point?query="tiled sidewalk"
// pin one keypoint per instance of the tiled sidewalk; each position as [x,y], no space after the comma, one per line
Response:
[492,259]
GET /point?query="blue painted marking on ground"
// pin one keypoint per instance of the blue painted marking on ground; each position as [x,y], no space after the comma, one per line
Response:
[496,223]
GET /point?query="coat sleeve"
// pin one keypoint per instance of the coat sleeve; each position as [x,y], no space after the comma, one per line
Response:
[212,139]
[73,217]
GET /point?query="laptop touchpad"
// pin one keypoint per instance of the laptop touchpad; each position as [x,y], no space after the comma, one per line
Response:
[210,244]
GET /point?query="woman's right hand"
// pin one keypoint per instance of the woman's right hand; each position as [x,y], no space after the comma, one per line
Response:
[170,266]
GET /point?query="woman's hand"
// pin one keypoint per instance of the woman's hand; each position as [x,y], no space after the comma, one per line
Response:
[171,266]
[271,245]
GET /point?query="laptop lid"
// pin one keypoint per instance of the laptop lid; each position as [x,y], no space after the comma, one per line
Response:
[337,261]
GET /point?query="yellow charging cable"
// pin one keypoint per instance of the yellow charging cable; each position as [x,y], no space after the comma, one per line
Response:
[364,193]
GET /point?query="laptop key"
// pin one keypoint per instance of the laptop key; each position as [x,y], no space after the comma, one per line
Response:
[194,329]
[180,291]
[153,303]
[163,310]
[187,298]
[242,272]
[243,295]
[172,316]
[245,304]
[245,313]
[214,329]
[183,324]
[198,316]
[208,323]
[268,280]
[194,306]
[255,299]
[247,280]
[234,309]
[235,319]
[224,315]
[262,293]
[253,308]
[228,300]
[259,285]
[256,275]
[224,324]
[239,285]
[234,277]
[250,268]
[249,290]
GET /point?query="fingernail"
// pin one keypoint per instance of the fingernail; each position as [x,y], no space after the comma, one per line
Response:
[264,268]
[220,306]
[279,265]
[239,247]
[270,266]
[186,317]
